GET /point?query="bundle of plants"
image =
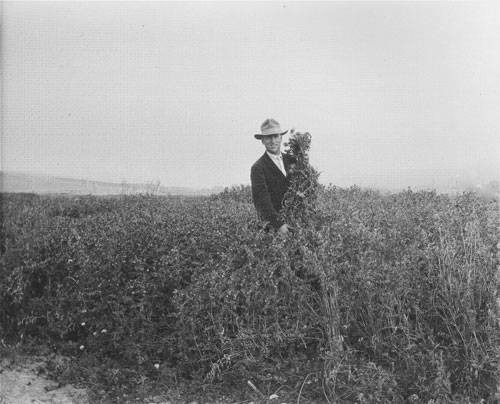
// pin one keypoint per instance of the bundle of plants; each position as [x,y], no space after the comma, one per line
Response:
[300,199]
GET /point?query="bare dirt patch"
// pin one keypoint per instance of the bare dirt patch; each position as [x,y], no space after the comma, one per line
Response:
[23,381]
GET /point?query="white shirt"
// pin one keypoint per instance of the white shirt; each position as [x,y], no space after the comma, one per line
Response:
[278,161]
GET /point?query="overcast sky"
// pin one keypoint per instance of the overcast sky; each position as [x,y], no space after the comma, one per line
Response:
[394,94]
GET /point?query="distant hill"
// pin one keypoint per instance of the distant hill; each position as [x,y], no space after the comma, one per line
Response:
[44,184]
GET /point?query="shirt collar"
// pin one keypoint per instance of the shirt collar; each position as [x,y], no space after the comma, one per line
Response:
[274,156]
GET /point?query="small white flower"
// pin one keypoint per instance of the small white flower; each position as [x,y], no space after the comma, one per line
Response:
[94,333]
[82,347]
[157,366]
[83,324]
[104,331]
[273,397]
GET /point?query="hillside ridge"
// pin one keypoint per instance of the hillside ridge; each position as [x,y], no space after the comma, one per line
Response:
[19,182]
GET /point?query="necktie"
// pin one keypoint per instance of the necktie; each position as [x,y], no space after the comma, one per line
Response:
[280,163]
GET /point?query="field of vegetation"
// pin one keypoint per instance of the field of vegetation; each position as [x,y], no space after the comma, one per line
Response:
[373,298]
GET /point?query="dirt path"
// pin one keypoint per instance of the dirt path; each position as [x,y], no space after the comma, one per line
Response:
[20,383]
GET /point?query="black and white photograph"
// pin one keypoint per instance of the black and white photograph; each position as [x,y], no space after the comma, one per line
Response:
[250,202]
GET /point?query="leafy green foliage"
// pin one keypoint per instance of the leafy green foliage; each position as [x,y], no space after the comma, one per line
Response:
[379,297]
[300,200]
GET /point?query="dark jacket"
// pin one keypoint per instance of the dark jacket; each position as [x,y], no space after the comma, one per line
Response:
[268,188]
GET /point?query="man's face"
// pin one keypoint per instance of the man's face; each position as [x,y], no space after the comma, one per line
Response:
[272,143]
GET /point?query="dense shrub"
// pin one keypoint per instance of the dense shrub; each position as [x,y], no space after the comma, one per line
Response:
[378,297]
[237,193]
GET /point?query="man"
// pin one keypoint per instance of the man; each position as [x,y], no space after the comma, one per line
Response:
[270,176]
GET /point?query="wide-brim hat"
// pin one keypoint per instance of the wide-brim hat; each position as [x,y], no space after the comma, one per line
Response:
[269,127]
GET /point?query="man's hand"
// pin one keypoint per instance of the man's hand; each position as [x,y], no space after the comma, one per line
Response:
[283,229]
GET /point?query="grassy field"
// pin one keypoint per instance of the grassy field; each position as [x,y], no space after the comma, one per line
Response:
[374,297]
